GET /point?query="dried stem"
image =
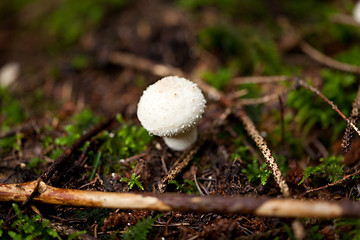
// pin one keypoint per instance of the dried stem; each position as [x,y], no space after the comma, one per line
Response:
[143,64]
[354,117]
[181,202]
[327,61]
[178,166]
[260,142]
[345,178]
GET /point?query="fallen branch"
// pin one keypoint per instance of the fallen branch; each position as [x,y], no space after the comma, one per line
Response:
[181,202]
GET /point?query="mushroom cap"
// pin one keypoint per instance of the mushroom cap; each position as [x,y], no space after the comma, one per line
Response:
[171,106]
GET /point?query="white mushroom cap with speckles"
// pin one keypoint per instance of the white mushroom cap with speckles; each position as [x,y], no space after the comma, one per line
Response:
[171,106]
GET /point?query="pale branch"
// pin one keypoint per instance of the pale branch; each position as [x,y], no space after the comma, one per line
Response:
[260,79]
[261,144]
[345,19]
[181,202]
[328,61]
[143,64]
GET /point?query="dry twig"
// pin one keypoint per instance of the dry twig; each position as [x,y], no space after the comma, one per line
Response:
[346,143]
[260,142]
[328,61]
[178,166]
[260,79]
[181,202]
[345,178]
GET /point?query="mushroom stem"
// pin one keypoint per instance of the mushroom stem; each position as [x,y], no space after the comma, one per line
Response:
[183,140]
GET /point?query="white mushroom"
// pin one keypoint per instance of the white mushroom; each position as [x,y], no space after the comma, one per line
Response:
[171,108]
[356,12]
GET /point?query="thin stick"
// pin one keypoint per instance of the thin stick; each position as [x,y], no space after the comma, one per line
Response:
[178,166]
[327,61]
[78,143]
[143,64]
[181,202]
[317,92]
[260,142]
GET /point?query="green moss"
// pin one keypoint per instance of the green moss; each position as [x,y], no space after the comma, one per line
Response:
[71,19]
[242,49]
[218,79]
[313,112]
[330,169]
[80,122]
[141,229]
[11,112]
[347,229]
[25,227]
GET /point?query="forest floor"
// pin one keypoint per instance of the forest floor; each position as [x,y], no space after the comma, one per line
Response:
[67,67]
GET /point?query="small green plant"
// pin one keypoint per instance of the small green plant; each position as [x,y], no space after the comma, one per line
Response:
[352,227]
[133,181]
[10,143]
[254,172]
[34,164]
[128,140]
[80,123]
[119,144]
[141,229]
[329,168]
[25,227]
[11,112]
[188,187]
